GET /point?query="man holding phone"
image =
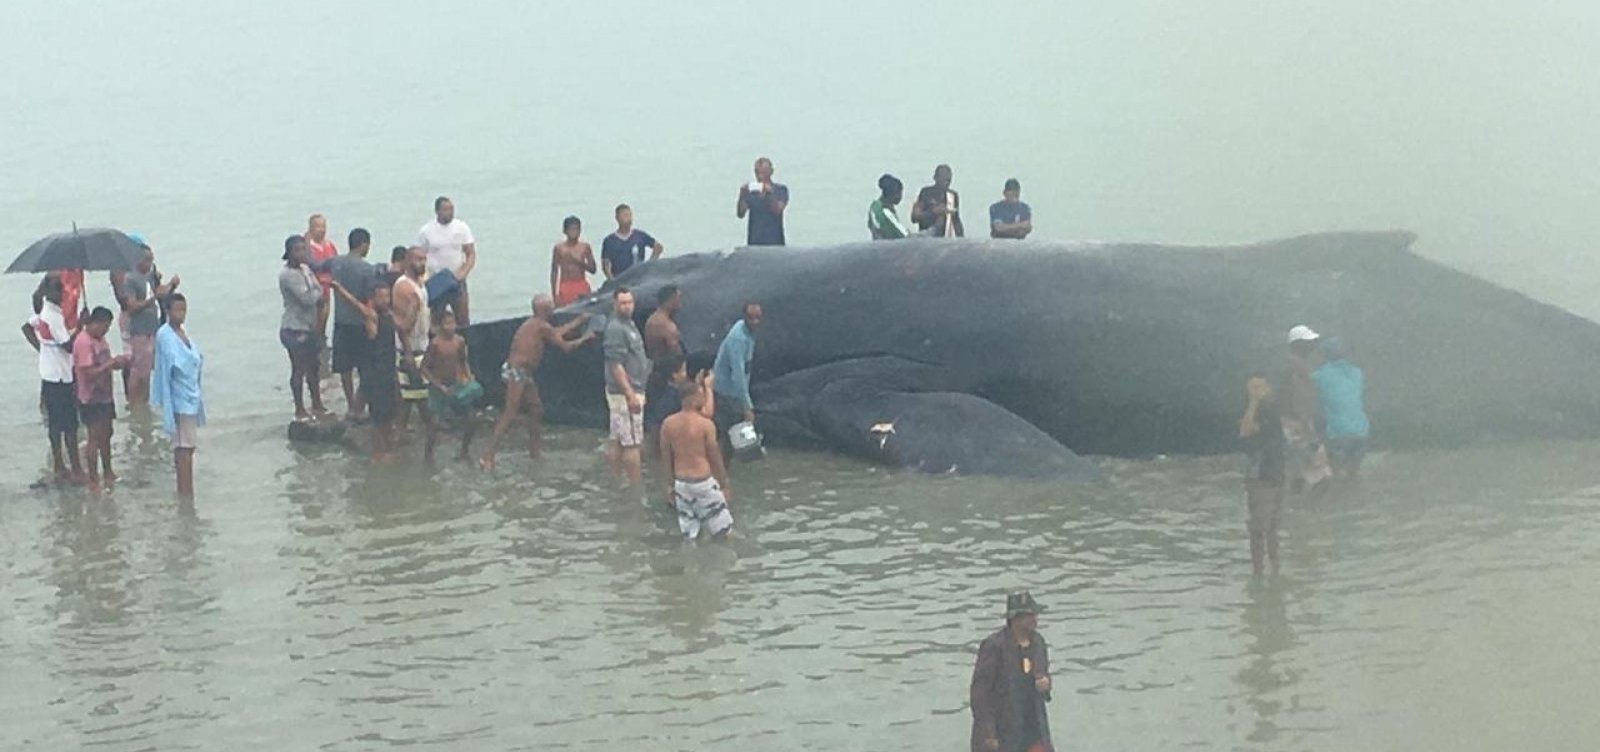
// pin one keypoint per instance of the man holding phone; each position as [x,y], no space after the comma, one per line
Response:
[764,201]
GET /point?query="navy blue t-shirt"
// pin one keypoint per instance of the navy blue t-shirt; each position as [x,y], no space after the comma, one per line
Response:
[1008,213]
[625,253]
[766,225]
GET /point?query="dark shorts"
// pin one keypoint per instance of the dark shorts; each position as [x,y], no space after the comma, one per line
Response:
[1346,452]
[60,406]
[350,345]
[98,412]
[382,402]
[298,342]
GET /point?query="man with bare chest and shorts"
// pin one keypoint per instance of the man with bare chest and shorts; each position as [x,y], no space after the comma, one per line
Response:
[661,329]
[693,463]
[571,263]
[522,393]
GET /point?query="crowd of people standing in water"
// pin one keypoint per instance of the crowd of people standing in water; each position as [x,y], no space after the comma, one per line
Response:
[397,347]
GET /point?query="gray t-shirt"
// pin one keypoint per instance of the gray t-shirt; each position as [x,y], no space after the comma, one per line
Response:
[357,275]
[145,321]
[301,293]
[624,344]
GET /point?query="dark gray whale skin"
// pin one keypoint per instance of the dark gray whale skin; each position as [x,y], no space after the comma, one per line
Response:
[995,357]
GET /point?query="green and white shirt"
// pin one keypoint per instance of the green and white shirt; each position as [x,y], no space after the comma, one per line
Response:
[883,223]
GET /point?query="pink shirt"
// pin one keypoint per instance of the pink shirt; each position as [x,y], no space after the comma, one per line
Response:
[86,353]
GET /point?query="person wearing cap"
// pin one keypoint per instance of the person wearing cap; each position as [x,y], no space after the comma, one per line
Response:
[1011,684]
[571,263]
[882,221]
[1341,388]
[302,307]
[1009,217]
[1301,410]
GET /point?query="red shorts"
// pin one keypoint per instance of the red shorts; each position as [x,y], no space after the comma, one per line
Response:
[570,290]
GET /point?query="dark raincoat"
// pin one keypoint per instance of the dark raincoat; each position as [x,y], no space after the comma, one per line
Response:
[999,692]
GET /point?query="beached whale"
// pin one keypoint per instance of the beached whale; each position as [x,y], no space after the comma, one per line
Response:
[997,357]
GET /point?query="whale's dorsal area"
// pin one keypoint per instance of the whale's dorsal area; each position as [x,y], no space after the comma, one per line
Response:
[1049,350]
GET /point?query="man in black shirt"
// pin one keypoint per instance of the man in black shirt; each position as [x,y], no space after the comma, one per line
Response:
[1265,447]
[938,208]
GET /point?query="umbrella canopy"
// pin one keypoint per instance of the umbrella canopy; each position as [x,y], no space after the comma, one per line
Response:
[94,249]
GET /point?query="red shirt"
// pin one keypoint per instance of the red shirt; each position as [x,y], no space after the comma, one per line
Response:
[71,296]
[321,252]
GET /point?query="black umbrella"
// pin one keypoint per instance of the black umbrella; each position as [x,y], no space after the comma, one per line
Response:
[94,249]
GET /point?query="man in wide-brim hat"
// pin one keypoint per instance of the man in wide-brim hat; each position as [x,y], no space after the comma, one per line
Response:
[1011,684]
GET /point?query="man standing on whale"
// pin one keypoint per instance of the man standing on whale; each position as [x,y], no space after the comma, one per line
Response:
[764,201]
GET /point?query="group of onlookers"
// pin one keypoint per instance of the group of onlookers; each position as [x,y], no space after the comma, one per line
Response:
[160,365]
[1307,431]
[937,212]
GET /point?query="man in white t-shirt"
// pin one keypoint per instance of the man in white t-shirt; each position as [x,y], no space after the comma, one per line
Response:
[47,332]
[450,247]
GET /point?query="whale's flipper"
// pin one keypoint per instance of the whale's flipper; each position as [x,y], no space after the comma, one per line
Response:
[905,414]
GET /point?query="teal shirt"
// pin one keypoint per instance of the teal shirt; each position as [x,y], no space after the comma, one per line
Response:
[1341,389]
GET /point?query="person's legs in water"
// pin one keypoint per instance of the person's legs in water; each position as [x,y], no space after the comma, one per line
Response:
[183,463]
[461,305]
[1265,511]
[294,345]
[106,431]
[534,406]
[313,373]
[183,444]
[430,429]
[514,388]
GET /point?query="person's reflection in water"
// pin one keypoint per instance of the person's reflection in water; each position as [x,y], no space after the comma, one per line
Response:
[1266,674]
[94,587]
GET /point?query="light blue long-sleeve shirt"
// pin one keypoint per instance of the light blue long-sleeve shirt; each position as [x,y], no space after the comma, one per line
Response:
[175,383]
[732,368]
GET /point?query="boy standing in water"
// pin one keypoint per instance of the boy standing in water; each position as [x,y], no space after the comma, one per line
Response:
[692,462]
[452,392]
[92,366]
[1265,446]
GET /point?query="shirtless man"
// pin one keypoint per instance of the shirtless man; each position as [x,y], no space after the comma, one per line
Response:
[452,392]
[527,349]
[693,461]
[661,329]
[571,261]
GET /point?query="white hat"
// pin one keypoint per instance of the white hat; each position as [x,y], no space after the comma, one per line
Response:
[1303,333]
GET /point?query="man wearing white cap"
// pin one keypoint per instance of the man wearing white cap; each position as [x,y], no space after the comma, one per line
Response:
[1302,411]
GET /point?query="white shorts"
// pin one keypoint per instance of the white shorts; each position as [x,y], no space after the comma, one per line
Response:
[627,427]
[185,431]
[701,505]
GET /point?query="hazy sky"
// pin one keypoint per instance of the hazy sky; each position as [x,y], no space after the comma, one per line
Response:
[1470,122]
